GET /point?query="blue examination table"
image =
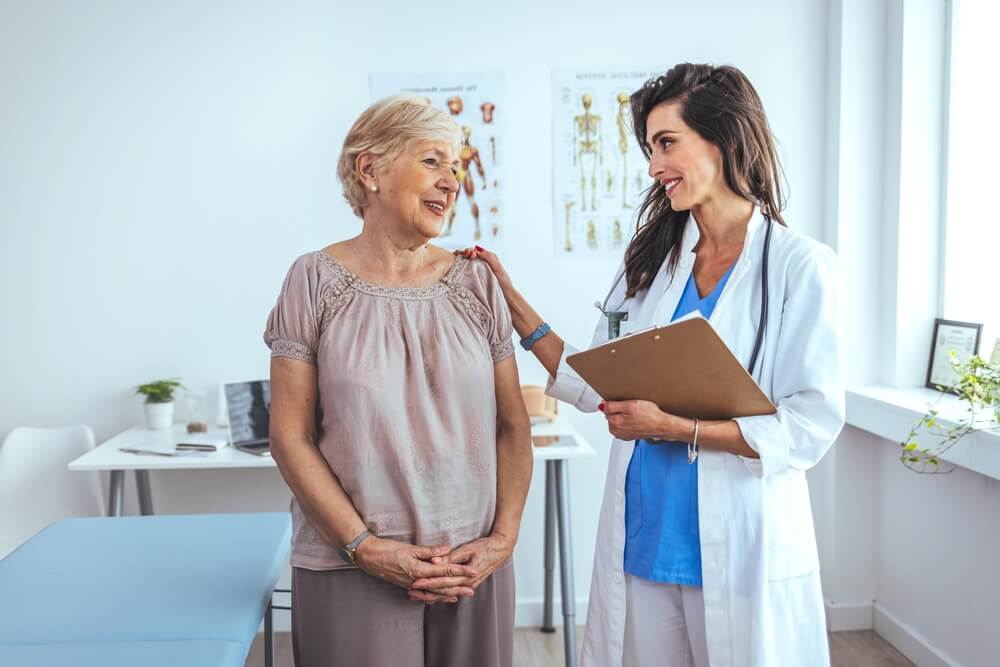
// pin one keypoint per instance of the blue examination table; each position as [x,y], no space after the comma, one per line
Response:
[152,591]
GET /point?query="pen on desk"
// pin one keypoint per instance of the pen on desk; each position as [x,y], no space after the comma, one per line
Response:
[153,452]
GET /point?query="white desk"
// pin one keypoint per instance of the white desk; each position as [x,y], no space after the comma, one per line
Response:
[107,456]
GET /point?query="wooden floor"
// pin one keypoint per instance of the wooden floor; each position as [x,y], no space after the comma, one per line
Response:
[534,649]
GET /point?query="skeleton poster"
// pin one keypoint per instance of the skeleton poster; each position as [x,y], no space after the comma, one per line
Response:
[476,101]
[599,173]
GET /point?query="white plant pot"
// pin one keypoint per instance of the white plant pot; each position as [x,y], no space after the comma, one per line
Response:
[159,415]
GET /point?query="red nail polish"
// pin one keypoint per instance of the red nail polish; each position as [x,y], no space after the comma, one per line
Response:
[601,406]
[480,249]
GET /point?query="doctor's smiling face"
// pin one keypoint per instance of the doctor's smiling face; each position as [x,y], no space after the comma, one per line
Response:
[704,131]
[685,164]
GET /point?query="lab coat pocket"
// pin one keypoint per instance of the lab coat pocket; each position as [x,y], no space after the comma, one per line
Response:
[791,537]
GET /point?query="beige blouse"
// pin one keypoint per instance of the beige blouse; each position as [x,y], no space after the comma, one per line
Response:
[407,406]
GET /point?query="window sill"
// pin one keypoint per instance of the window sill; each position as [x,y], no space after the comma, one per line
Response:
[890,413]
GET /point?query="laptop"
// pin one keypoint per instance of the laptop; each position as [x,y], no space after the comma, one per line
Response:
[248,411]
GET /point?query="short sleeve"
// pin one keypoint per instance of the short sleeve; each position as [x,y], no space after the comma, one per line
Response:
[499,326]
[501,344]
[292,328]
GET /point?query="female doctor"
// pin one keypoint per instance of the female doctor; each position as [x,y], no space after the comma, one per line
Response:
[706,552]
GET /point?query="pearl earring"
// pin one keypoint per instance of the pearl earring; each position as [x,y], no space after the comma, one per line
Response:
[374,188]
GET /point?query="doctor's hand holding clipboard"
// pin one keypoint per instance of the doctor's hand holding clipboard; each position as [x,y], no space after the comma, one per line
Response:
[706,550]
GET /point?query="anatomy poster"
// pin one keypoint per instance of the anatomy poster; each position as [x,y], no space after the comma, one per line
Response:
[476,101]
[599,173]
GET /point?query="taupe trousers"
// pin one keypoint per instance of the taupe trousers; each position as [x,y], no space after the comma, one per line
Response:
[346,618]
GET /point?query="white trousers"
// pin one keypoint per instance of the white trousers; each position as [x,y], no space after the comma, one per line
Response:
[664,625]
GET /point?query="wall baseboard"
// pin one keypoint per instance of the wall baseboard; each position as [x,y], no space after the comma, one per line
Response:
[528,613]
[908,641]
[842,617]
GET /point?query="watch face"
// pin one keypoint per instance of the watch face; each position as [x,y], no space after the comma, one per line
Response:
[346,555]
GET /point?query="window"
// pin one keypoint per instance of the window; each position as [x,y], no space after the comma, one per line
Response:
[971,287]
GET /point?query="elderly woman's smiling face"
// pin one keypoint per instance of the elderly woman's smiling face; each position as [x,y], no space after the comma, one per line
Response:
[419,187]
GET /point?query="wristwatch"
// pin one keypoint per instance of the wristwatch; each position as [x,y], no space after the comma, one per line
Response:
[347,551]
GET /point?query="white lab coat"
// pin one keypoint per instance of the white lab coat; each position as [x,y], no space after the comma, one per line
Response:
[760,568]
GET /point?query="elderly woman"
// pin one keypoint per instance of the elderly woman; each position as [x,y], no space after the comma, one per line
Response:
[397,419]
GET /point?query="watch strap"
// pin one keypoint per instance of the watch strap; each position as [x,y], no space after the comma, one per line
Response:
[347,551]
[536,335]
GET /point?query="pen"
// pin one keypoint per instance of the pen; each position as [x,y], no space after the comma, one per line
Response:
[132,450]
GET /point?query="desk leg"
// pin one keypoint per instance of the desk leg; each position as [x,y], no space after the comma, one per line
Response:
[566,563]
[115,495]
[142,489]
[550,545]
[269,636]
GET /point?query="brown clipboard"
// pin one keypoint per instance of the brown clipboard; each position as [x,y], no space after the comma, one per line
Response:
[683,367]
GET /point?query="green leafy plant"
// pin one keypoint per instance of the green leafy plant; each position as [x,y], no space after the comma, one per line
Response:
[978,386]
[159,391]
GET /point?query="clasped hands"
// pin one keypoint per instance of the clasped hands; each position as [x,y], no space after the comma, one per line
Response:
[434,573]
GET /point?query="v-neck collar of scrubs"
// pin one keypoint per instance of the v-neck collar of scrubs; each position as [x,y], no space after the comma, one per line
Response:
[690,301]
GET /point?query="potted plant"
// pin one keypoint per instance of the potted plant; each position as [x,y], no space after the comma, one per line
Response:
[159,402]
[978,386]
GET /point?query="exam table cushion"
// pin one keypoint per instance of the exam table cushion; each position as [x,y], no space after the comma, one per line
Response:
[197,583]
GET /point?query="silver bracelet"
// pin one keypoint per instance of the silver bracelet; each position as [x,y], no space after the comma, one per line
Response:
[693,446]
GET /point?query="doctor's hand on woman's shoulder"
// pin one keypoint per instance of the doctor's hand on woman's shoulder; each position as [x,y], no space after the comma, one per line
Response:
[547,346]
[503,278]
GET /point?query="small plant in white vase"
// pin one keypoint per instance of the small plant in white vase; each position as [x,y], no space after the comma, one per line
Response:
[159,402]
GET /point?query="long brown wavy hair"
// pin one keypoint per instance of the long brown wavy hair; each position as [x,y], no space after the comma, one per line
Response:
[721,105]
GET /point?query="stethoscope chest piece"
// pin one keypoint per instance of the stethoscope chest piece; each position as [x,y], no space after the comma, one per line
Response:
[615,319]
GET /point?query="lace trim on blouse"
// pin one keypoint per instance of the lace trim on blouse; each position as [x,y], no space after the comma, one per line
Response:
[502,349]
[428,292]
[335,296]
[467,301]
[288,348]
[340,292]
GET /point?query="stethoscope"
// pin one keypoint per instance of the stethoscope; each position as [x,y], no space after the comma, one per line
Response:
[616,317]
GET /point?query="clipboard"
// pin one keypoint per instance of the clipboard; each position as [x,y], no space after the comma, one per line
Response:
[683,367]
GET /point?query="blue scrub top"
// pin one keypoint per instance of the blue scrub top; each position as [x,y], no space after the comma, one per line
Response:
[662,542]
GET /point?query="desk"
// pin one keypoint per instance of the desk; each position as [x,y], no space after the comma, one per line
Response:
[107,456]
[154,591]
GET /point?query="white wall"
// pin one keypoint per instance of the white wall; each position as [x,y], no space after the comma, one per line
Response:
[162,164]
[913,556]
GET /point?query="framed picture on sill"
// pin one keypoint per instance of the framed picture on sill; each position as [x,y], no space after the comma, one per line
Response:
[962,338]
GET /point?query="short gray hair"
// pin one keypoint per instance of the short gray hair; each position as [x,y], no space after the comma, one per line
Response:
[385,129]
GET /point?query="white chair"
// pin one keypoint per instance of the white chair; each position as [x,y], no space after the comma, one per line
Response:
[35,486]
